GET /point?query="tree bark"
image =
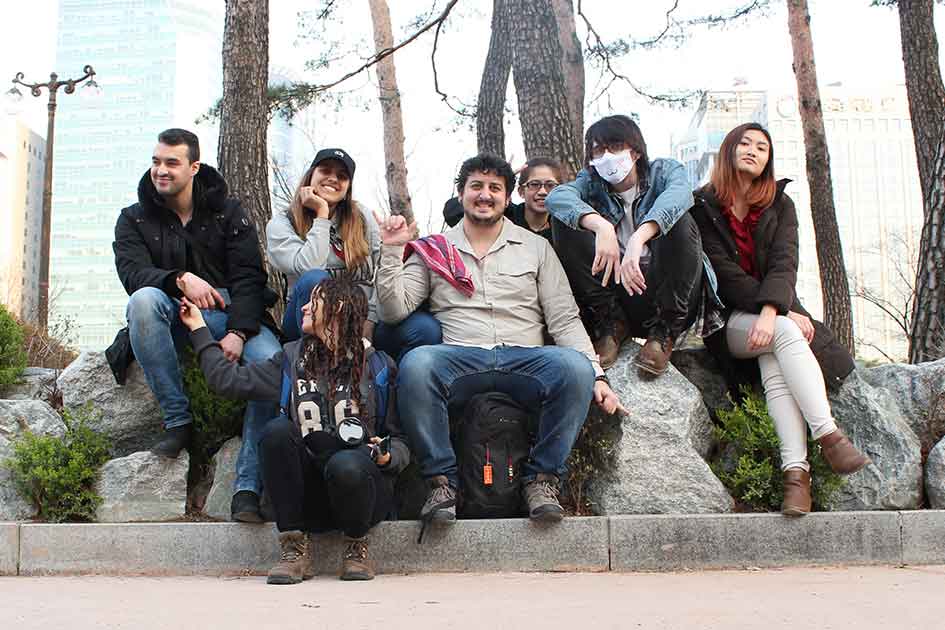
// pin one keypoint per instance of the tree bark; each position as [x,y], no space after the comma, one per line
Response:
[540,87]
[490,108]
[572,65]
[244,114]
[833,277]
[927,109]
[395,165]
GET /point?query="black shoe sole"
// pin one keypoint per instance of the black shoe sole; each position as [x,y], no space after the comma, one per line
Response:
[648,369]
[167,454]
[247,517]
[282,580]
[355,577]
[552,515]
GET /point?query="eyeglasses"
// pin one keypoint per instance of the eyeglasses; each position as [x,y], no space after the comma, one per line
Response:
[535,184]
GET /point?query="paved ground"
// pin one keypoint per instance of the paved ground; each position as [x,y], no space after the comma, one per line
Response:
[857,598]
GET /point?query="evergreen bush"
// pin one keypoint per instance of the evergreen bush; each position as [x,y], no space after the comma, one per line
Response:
[750,461]
[57,475]
[12,355]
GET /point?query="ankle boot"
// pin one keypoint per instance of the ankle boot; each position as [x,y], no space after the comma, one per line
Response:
[295,559]
[843,457]
[173,441]
[796,483]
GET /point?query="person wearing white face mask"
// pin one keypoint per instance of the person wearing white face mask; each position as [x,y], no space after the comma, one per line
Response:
[624,236]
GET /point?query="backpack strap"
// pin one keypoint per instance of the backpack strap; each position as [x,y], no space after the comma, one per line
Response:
[381,376]
[286,397]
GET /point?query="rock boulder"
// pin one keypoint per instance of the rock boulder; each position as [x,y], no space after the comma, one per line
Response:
[34,384]
[935,476]
[143,487]
[16,416]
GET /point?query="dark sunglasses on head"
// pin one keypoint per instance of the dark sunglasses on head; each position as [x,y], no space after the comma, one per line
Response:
[534,184]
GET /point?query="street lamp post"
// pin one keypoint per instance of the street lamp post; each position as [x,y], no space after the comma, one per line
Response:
[36,90]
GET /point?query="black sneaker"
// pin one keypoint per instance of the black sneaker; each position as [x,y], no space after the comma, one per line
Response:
[440,505]
[173,441]
[245,507]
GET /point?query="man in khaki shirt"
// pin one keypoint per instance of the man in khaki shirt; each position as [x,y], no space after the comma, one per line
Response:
[492,340]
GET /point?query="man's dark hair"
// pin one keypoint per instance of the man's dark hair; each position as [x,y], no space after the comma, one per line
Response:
[618,129]
[489,164]
[176,137]
[534,163]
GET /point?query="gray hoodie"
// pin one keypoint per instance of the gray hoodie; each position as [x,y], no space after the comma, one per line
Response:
[294,256]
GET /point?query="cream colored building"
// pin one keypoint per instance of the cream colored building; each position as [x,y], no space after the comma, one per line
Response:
[22,158]
[876,193]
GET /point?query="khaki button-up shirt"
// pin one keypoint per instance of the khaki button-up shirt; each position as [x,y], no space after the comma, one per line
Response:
[521,291]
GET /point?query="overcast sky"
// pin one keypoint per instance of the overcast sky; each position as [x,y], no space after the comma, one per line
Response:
[854,43]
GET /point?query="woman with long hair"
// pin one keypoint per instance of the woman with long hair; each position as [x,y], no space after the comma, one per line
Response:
[749,231]
[330,461]
[325,231]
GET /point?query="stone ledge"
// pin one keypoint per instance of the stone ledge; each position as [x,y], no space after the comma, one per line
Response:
[923,537]
[9,548]
[619,543]
[667,542]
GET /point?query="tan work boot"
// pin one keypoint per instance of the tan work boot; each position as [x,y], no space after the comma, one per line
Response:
[796,492]
[541,495]
[607,350]
[356,565]
[654,355]
[843,457]
[295,561]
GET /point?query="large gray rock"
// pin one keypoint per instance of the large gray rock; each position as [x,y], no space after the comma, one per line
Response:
[143,487]
[701,369]
[873,420]
[130,415]
[935,476]
[223,467]
[34,384]
[659,466]
[17,416]
[919,390]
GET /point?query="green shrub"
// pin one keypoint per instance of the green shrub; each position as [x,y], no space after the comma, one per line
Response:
[12,355]
[591,458]
[750,462]
[58,474]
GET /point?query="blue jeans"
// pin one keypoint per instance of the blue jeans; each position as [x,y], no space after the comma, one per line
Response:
[557,382]
[157,335]
[420,329]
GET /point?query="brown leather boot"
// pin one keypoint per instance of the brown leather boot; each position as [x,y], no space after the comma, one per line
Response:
[295,561]
[607,350]
[654,356]
[356,565]
[796,492]
[843,457]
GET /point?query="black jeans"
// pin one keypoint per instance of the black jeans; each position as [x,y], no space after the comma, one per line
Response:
[674,280]
[316,485]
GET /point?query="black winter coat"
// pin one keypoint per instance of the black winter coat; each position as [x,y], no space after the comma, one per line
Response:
[776,257]
[150,250]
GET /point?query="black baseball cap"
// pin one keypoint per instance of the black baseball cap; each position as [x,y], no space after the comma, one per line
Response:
[335,154]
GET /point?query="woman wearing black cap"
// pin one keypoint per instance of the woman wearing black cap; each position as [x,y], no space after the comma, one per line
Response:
[324,231]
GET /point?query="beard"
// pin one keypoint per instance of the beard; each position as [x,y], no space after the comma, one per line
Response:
[485,221]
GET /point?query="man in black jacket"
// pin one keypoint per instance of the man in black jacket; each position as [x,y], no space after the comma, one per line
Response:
[184,237]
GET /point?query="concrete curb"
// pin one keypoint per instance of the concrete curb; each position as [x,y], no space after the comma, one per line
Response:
[619,543]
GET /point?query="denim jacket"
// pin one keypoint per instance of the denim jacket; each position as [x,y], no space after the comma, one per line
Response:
[664,196]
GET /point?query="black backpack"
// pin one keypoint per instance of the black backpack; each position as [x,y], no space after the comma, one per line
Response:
[493,445]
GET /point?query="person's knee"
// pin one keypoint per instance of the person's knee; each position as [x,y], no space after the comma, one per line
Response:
[345,469]
[417,366]
[146,303]
[424,330]
[573,368]
[785,330]
[308,281]
[277,433]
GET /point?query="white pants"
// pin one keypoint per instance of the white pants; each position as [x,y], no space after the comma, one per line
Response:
[793,384]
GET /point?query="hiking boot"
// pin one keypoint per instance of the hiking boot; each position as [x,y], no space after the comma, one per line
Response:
[796,492]
[295,560]
[355,562]
[541,495]
[440,505]
[843,457]
[173,441]
[245,507]
[607,350]
[654,355]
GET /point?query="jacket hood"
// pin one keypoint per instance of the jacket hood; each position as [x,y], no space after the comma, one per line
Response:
[210,190]
[707,193]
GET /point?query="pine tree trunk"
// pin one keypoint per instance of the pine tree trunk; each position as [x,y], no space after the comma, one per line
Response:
[573,69]
[244,115]
[395,164]
[490,108]
[927,109]
[833,277]
[540,86]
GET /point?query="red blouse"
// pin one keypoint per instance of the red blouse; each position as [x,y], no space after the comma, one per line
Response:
[744,242]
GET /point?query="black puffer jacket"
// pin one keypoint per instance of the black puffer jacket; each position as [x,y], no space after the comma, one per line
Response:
[150,250]
[776,257]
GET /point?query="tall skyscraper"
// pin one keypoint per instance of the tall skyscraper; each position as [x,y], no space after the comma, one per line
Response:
[22,166]
[876,194]
[158,62]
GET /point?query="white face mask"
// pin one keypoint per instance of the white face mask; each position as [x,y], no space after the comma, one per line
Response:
[614,168]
